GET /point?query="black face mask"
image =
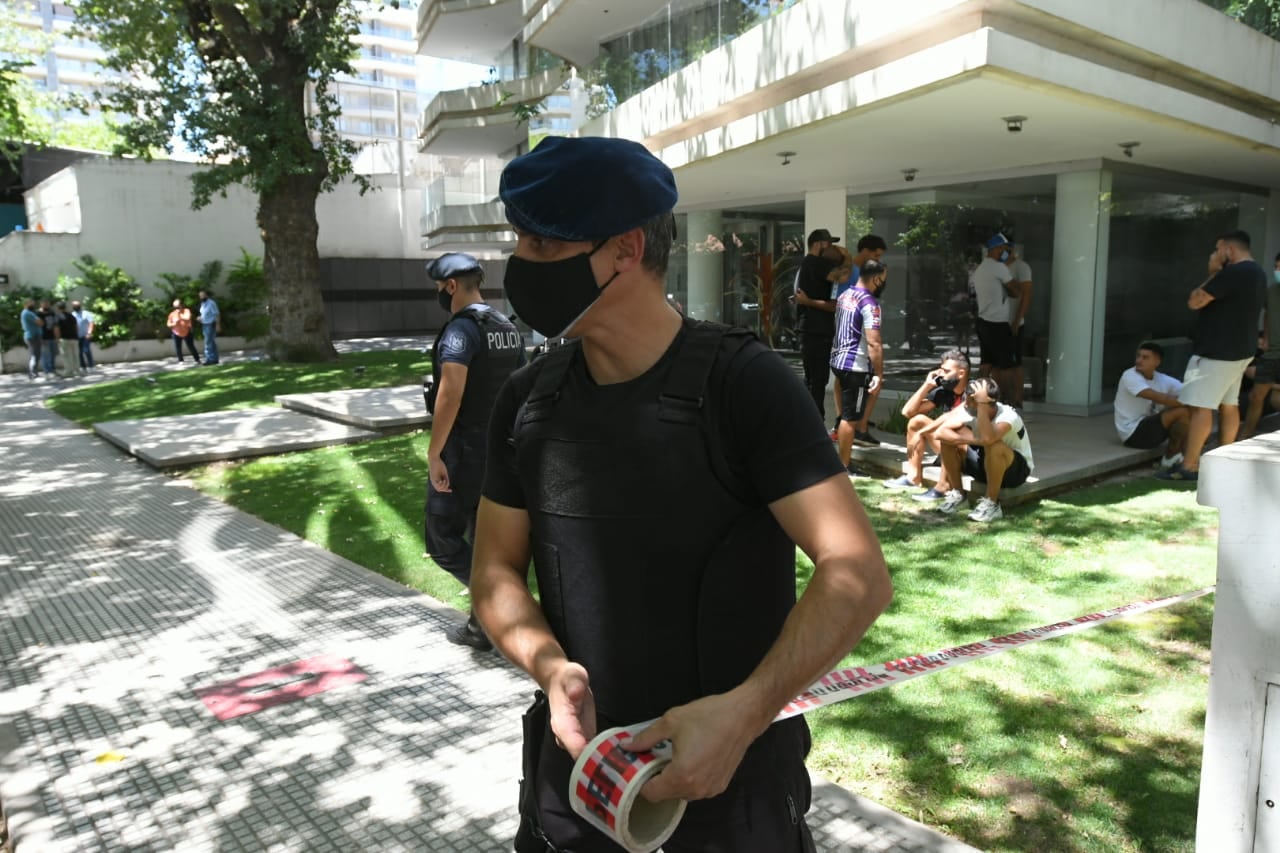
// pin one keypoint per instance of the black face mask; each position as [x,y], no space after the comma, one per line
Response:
[553,295]
[446,299]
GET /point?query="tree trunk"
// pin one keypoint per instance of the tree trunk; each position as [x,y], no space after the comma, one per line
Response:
[291,262]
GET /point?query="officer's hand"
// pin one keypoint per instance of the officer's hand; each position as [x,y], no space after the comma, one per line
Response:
[708,737]
[573,708]
[439,473]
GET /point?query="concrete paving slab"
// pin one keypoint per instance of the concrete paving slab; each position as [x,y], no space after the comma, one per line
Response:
[367,408]
[193,439]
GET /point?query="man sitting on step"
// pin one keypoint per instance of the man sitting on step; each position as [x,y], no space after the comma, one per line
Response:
[941,392]
[988,441]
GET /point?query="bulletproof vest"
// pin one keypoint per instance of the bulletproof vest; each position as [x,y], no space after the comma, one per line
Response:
[657,569]
[503,353]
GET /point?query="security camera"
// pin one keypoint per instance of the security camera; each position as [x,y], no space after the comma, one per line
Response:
[1013,124]
[1128,147]
[909,175]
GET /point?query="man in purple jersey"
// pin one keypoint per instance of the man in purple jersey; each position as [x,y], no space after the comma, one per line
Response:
[857,354]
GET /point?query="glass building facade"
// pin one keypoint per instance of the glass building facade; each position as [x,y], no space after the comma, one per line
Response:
[1154,233]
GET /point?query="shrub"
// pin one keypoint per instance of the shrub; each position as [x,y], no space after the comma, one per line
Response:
[245,311]
[119,309]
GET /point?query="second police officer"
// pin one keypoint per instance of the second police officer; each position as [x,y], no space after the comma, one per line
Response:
[473,355]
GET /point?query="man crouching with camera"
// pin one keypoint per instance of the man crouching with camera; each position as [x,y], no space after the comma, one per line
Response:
[941,392]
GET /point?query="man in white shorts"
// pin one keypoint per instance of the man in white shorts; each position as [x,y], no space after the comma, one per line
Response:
[1229,305]
[1147,410]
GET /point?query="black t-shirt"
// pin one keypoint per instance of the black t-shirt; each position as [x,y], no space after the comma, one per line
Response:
[68,326]
[770,431]
[50,322]
[1227,328]
[813,281]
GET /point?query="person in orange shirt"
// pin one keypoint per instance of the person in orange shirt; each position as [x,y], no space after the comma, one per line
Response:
[180,328]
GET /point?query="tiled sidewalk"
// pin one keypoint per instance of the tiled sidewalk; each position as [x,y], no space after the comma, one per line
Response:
[123,590]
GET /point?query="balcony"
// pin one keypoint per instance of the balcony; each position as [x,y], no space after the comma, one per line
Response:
[482,120]
[468,30]
[575,29]
[475,228]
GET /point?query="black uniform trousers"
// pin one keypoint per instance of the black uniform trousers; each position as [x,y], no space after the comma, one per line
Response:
[451,516]
[815,356]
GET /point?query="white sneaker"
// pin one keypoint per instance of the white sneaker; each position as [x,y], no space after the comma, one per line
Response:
[1168,462]
[988,510]
[953,500]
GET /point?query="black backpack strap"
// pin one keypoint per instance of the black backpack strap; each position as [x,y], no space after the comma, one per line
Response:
[546,388]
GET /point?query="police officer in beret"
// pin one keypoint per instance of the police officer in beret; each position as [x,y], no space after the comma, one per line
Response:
[473,355]
[659,472]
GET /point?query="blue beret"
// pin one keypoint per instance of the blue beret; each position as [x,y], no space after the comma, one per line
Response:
[586,189]
[451,265]
[998,240]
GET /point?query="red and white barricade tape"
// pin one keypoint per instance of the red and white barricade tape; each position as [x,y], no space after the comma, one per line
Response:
[605,786]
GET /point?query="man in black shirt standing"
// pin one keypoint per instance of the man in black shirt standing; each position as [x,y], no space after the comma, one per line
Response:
[659,472]
[816,317]
[1229,306]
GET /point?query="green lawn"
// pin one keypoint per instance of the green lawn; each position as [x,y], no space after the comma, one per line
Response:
[234,386]
[1086,743]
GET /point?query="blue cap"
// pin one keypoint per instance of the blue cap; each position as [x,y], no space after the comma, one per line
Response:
[998,240]
[452,265]
[586,189]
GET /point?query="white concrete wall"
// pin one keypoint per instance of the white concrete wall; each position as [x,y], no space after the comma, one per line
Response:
[138,216]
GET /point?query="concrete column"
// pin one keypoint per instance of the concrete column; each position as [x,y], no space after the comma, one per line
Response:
[706,268]
[1240,777]
[826,209]
[1077,313]
[1266,245]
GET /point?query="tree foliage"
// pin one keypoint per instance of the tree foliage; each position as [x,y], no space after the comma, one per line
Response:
[248,86]
[1262,15]
[229,79]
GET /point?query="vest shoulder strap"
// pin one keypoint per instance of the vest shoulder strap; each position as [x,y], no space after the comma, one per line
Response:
[685,394]
[546,387]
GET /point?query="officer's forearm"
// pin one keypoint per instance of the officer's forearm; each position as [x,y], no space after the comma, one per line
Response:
[500,594]
[844,597]
[442,420]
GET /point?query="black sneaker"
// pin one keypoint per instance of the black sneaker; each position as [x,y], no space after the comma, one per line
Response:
[865,439]
[856,473]
[470,634]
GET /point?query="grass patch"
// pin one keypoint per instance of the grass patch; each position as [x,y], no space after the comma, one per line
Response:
[234,386]
[1086,743]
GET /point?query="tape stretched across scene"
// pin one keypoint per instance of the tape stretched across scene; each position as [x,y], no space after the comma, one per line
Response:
[604,788]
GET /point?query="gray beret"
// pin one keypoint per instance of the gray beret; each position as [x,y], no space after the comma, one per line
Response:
[586,189]
[451,265]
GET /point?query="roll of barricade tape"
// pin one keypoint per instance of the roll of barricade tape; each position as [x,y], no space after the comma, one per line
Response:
[606,782]
[605,791]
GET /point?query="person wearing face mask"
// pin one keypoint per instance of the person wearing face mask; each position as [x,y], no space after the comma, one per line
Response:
[988,441]
[996,290]
[941,392]
[1266,368]
[659,472]
[857,356]
[473,355]
[1228,306]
